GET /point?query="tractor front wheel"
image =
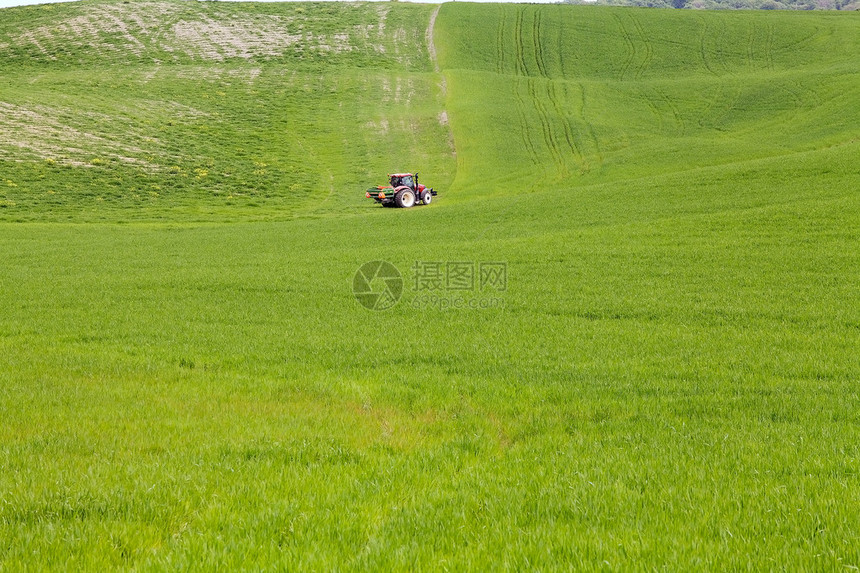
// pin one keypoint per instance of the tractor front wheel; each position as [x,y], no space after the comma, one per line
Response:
[405,198]
[426,197]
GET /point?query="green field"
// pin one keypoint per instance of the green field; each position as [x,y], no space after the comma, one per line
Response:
[669,378]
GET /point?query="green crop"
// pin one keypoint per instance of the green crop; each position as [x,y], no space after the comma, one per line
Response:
[667,378]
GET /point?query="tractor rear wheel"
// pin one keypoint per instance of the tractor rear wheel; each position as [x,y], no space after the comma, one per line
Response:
[405,198]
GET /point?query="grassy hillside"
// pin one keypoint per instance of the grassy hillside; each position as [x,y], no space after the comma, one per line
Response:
[668,380]
[115,111]
[602,94]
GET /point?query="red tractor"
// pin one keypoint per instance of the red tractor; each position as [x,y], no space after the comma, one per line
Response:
[403,190]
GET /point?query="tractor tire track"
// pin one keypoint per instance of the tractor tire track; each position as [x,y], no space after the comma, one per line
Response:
[799,102]
[630,45]
[711,101]
[500,41]
[795,45]
[812,99]
[551,95]
[676,113]
[720,49]
[751,46]
[580,134]
[768,47]
[566,126]
[520,69]
[518,38]
[559,38]
[725,109]
[649,49]
[536,40]
[591,134]
[546,127]
[702,49]
[649,101]
[524,123]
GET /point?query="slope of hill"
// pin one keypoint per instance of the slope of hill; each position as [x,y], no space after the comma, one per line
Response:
[119,113]
[597,94]
[125,111]
[666,378]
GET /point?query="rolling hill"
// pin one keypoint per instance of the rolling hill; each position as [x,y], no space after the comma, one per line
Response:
[627,330]
[125,111]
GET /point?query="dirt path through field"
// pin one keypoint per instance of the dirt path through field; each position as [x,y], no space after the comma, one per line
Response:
[431,46]
[443,85]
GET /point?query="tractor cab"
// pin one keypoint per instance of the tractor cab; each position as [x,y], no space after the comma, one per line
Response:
[402,180]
